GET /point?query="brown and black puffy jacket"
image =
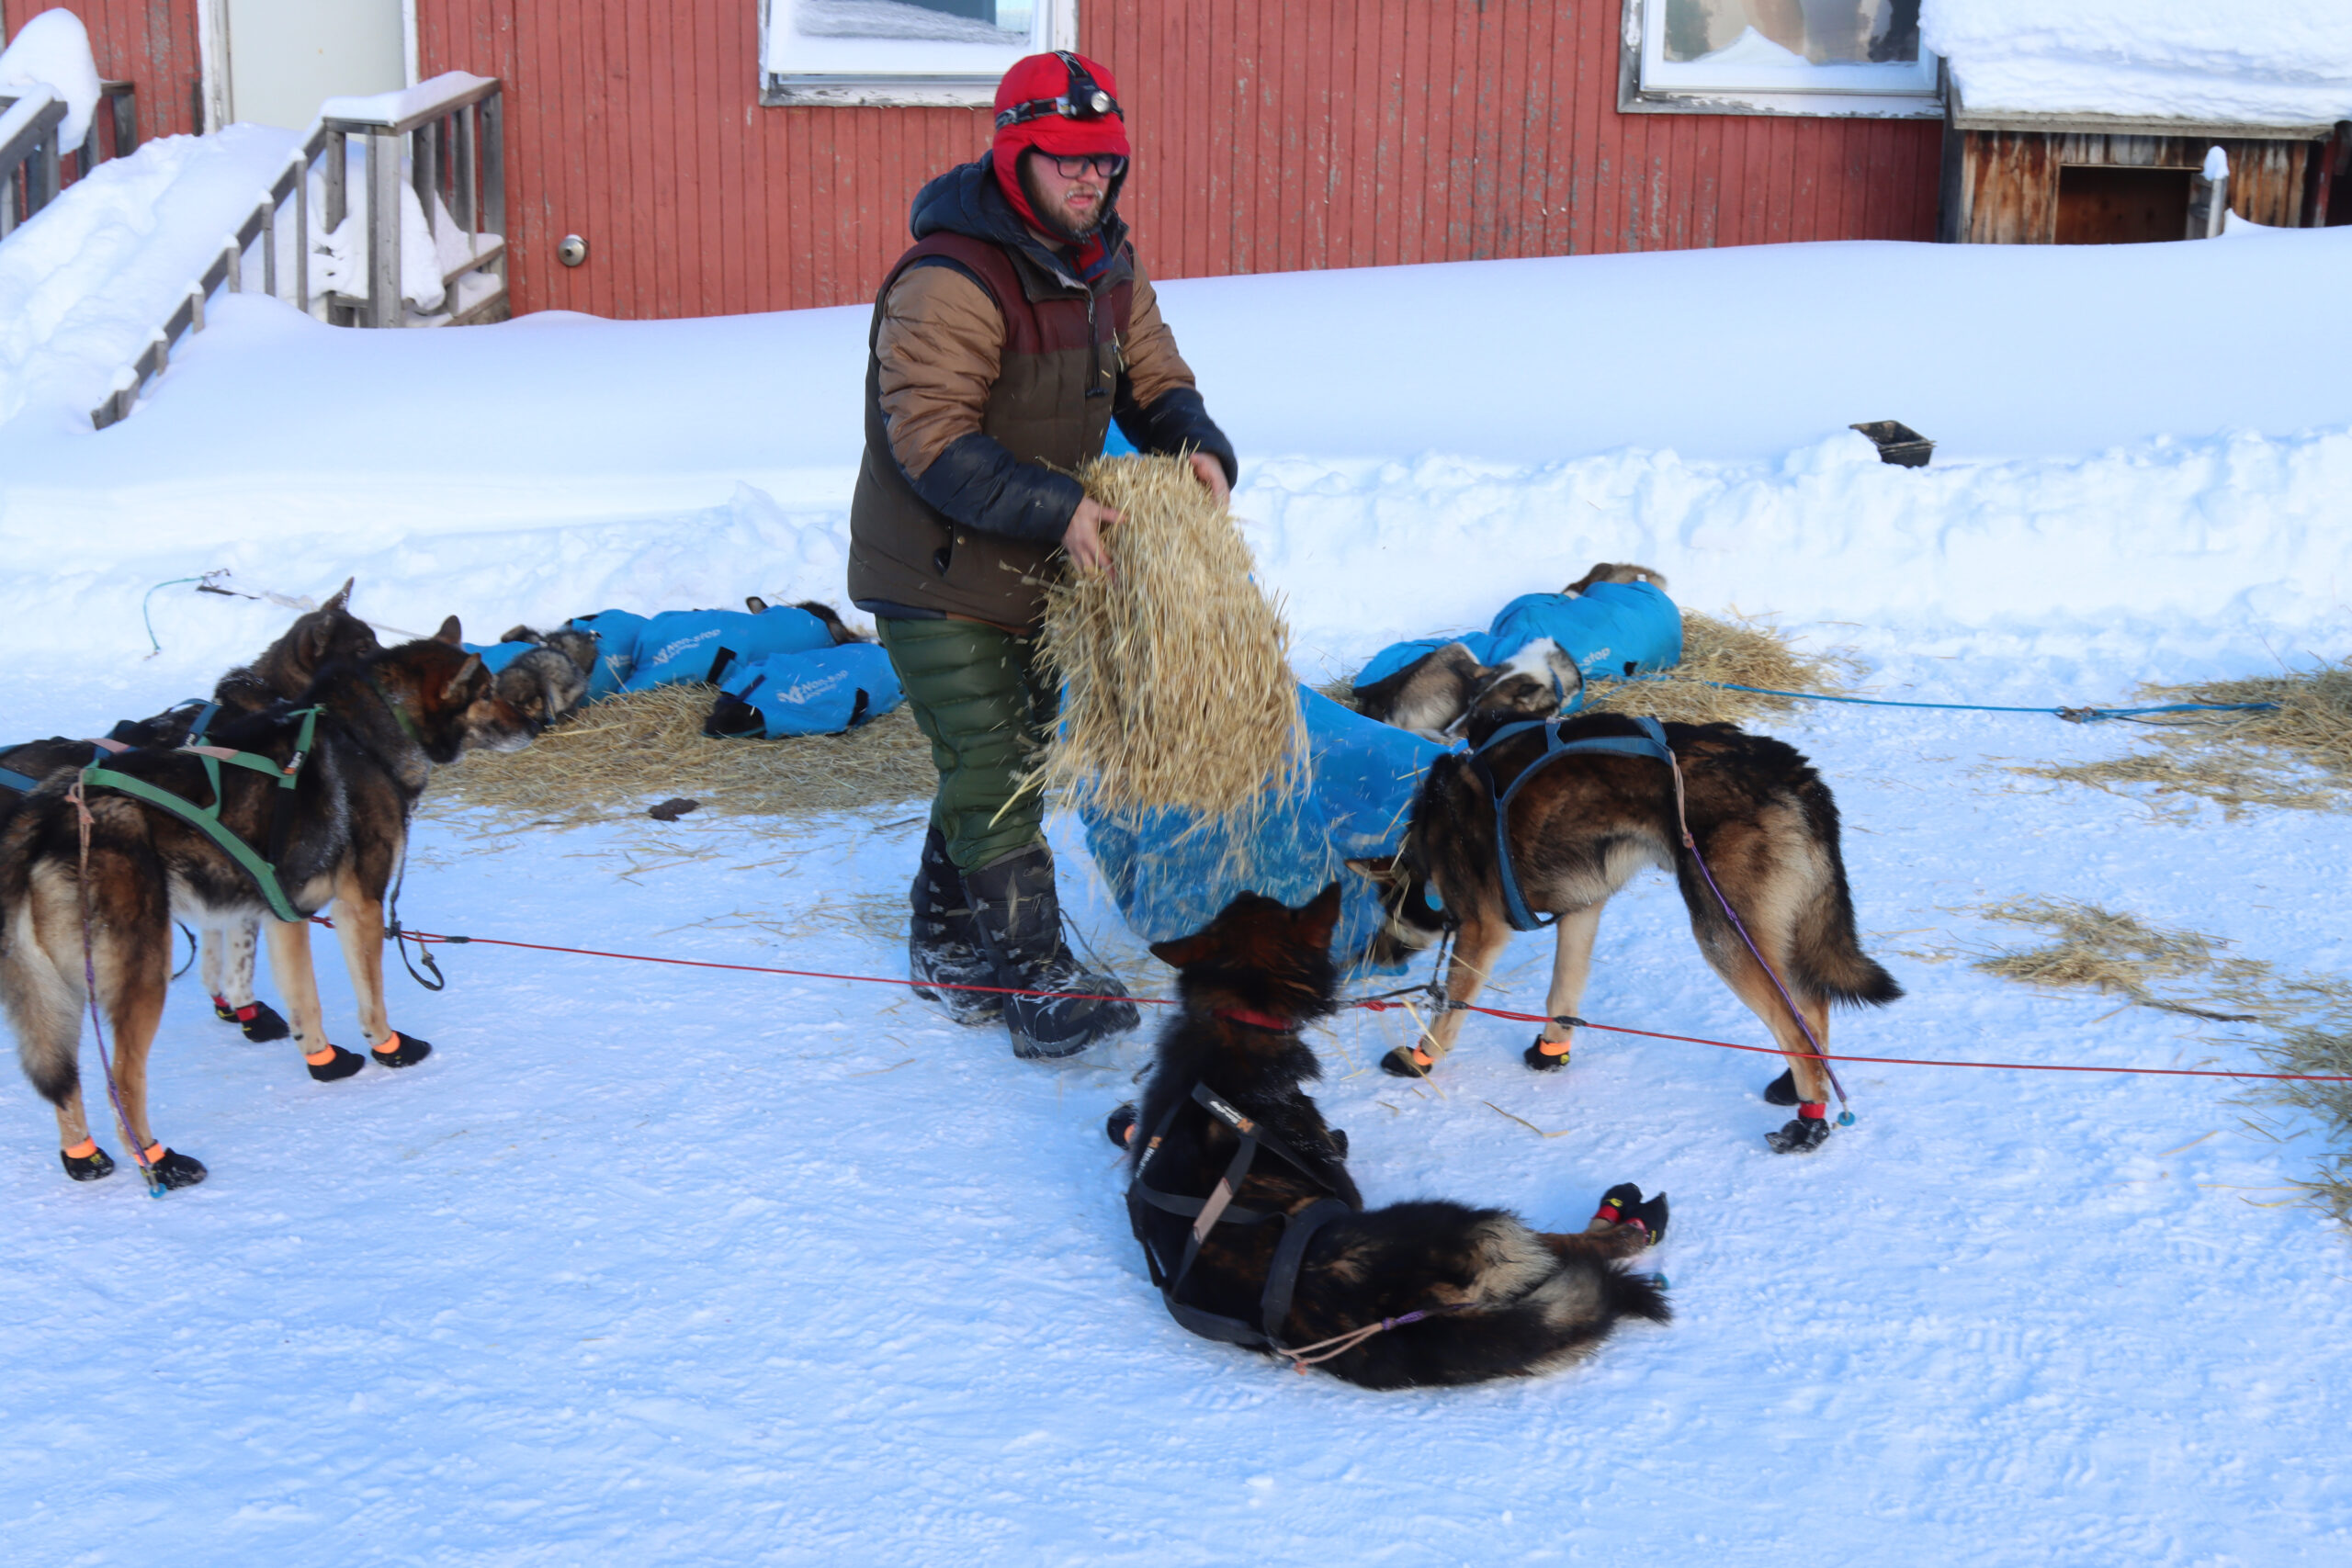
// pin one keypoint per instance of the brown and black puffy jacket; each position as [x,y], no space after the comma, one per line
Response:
[992,371]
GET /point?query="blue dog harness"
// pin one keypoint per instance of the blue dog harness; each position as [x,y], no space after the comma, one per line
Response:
[1651,742]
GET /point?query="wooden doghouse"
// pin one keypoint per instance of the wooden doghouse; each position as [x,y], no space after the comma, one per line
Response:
[2089,179]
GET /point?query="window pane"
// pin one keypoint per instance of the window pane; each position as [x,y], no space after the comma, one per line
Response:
[944,21]
[1816,32]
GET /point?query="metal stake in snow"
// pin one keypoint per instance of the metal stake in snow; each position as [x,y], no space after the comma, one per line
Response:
[2209,201]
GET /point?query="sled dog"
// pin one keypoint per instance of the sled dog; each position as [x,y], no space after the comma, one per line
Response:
[1581,827]
[374,728]
[1288,1258]
[1444,690]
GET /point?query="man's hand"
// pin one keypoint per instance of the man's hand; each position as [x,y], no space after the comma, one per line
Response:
[1083,538]
[1211,472]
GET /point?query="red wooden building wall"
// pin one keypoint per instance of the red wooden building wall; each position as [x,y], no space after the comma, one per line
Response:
[1270,136]
[149,43]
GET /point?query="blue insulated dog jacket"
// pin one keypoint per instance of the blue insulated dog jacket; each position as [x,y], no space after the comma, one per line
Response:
[1614,631]
[616,633]
[706,645]
[820,691]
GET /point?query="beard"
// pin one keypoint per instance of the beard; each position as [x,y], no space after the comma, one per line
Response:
[1049,215]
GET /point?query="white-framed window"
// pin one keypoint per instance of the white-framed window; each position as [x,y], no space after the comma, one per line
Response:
[902,52]
[1810,57]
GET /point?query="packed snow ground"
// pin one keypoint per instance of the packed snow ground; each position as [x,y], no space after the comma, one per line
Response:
[656,1264]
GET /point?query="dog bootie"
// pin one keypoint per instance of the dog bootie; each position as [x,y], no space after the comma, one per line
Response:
[400,1051]
[1806,1133]
[171,1170]
[1121,1126]
[87,1162]
[333,1064]
[1545,1061]
[1617,1202]
[1019,922]
[259,1021]
[943,953]
[1650,1218]
[1782,1091]
[1408,1062]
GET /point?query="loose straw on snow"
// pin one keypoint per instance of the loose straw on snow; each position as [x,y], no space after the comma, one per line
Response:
[1178,691]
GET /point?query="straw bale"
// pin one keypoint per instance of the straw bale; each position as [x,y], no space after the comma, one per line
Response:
[615,757]
[1178,691]
[2297,756]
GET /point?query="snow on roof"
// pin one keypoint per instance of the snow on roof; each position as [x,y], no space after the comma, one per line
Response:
[2273,63]
[53,51]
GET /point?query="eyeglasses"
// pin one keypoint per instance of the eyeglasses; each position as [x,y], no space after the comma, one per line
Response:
[1110,166]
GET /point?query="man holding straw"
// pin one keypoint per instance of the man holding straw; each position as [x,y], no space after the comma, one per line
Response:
[1004,343]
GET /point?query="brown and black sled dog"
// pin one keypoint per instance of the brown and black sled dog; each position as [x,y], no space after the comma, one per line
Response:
[336,835]
[1579,829]
[1288,1258]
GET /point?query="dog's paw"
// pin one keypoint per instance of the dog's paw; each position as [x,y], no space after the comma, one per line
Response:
[1802,1135]
[1121,1126]
[338,1064]
[261,1022]
[1338,1138]
[1408,1062]
[93,1167]
[1618,1201]
[1782,1090]
[1649,1218]
[173,1170]
[401,1051]
[1545,1061]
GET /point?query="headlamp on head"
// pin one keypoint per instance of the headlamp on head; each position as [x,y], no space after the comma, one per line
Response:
[1082,99]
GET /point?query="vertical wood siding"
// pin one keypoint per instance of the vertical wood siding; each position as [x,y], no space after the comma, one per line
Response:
[2007,180]
[1271,135]
[149,43]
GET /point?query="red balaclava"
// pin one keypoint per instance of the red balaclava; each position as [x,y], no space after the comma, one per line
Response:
[1092,127]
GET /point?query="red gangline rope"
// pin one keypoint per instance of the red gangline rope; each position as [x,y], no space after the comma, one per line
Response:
[1370,1005]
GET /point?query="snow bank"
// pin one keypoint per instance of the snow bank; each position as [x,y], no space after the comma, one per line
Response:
[95,273]
[53,51]
[2252,62]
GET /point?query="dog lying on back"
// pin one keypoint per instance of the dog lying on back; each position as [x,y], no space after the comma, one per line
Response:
[1501,1300]
[1579,829]
[337,835]
[1439,694]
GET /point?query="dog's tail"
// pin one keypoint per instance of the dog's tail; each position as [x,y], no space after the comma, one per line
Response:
[1629,1295]
[43,997]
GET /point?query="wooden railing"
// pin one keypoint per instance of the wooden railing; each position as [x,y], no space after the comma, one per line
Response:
[446,135]
[32,164]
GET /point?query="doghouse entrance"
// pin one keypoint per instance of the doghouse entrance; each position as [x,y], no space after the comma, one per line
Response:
[2104,205]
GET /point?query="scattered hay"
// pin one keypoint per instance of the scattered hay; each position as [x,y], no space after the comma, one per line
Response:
[1177,686]
[611,760]
[2297,755]
[2307,1016]
[1743,651]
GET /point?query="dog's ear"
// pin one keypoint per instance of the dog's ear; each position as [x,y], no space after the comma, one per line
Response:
[1182,951]
[466,671]
[340,599]
[1319,918]
[450,633]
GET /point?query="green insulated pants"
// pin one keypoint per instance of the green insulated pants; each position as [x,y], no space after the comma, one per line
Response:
[979,696]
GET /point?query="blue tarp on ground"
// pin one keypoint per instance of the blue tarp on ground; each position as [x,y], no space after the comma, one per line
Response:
[819,691]
[1169,884]
[704,645]
[1613,630]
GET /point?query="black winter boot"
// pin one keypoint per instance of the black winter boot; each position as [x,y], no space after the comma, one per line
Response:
[941,950]
[1019,923]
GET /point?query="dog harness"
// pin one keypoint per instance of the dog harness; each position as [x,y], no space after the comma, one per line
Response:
[1651,742]
[1218,1207]
[206,820]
